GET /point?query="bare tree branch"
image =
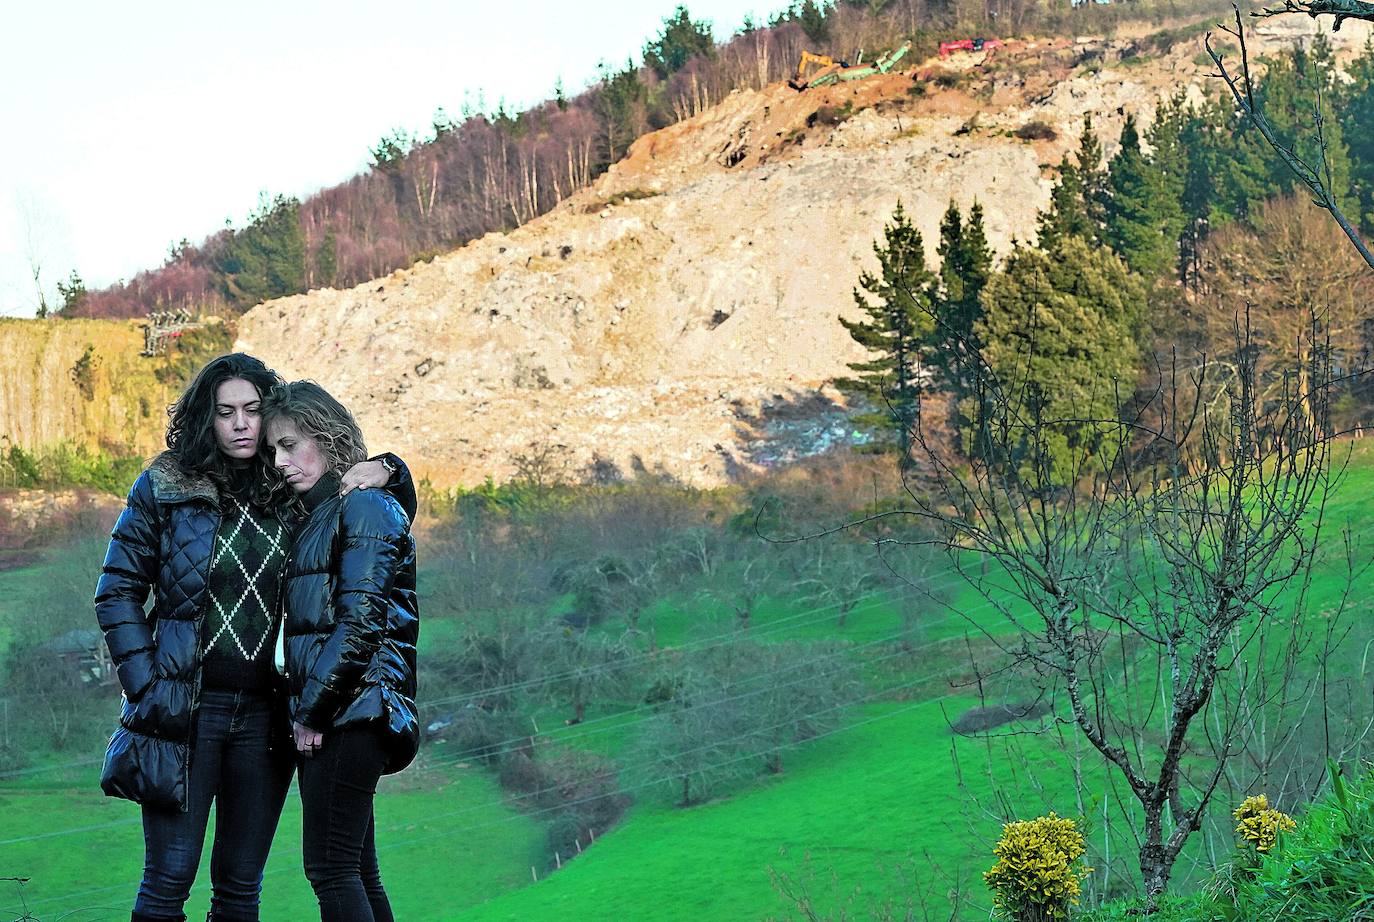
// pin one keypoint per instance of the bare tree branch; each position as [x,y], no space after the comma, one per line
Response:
[1242,90]
[1341,9]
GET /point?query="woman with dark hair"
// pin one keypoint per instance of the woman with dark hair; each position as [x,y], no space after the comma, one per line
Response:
[202,532]
[350,629]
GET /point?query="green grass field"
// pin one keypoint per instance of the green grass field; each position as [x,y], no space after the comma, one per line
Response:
[83,852]
[889,806]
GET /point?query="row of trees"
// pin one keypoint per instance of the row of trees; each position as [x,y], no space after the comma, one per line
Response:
[1150,250]
[493,170]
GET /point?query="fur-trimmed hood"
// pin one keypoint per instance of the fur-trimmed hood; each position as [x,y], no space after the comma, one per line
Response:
[173,483]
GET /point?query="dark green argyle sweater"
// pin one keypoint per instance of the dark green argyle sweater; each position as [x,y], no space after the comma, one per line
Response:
[239,630]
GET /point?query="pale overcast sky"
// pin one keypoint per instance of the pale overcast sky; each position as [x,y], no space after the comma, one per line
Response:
[132,125]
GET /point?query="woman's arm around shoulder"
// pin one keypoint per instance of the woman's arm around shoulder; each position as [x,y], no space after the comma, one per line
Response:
[388,472]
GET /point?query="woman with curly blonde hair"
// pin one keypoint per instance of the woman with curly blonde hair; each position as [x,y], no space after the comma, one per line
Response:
[351,624]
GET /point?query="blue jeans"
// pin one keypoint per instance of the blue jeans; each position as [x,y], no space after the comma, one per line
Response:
[338,785]
[233,766]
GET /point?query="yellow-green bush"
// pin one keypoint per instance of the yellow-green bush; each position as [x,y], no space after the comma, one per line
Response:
[1038,869]
[1258,824]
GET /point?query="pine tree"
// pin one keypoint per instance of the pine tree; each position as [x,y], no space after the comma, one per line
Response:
[1078,200]
[1092,174]
[1204,135]
[679,42]
[812,17]
[1144,216]
[965,267]
[1066,216]
[620,101]
[1289,93]
[898,306]
[267,258]
[1354,107]
[1059,342]
[73,292]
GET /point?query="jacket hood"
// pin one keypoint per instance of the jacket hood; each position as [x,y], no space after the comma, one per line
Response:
[173,483]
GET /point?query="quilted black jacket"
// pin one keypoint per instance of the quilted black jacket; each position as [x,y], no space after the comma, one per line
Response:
[162,543]
[352,618]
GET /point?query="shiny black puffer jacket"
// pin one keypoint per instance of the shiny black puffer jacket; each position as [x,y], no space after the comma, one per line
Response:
[162,542]
[352,618]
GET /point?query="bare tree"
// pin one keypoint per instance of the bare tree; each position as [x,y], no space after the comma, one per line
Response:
[754,579]
[1290,265]
[1146,594]
[40,245]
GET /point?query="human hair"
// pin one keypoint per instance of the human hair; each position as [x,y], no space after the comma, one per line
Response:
[191,426]
[319,417]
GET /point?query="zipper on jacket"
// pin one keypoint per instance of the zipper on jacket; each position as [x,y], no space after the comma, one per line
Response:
[200,651]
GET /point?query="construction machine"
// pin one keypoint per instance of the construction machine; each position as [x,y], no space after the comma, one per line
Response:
[969,44]
[809,59]
[832,71]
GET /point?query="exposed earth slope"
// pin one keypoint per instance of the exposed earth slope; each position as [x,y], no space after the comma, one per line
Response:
[680,314]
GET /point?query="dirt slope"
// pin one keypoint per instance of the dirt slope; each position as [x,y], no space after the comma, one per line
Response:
[680,315]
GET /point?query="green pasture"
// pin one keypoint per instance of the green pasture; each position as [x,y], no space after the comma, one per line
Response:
[889,804]
[83,852]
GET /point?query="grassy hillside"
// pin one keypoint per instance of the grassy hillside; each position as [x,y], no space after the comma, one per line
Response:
[113,400]
[886,807]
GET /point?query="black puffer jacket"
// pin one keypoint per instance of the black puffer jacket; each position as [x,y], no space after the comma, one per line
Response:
[163,540]
[352,618]
[162,543]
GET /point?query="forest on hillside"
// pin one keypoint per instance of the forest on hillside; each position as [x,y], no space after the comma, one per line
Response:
[481,171]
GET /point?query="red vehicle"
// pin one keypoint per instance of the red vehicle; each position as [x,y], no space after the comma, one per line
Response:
[969,44]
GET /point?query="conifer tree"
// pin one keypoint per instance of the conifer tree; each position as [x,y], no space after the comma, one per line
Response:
[1059,343]
[1204,135]
[267,258]
[1144,216]
[898,307]
[679,42]
[812,17]
[1092,173]
[1293,87]
[1078,201]
[1354,107]
[965,266]
[1066,216]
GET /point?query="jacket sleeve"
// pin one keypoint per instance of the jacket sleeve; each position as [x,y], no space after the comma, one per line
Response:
[401,486]
[126,577]
[370,549]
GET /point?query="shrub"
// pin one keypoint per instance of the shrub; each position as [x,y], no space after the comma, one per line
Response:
[1038,869]
[68,464]
[1258,824]
[1036,130]
[979,719]
[1322,870]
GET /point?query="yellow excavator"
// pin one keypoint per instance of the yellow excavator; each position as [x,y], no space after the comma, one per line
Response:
[808,60]
[829,70]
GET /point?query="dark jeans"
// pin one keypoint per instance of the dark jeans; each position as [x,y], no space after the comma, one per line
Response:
[338,785]
[232,767]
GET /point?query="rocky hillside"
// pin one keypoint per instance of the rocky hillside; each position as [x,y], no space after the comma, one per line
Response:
[680,315]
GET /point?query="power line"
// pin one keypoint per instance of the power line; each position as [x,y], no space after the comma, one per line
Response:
[716,640]
[773,627]
[713,702]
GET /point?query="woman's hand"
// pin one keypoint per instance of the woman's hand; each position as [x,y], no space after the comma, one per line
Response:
[308,742]
[364,474]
